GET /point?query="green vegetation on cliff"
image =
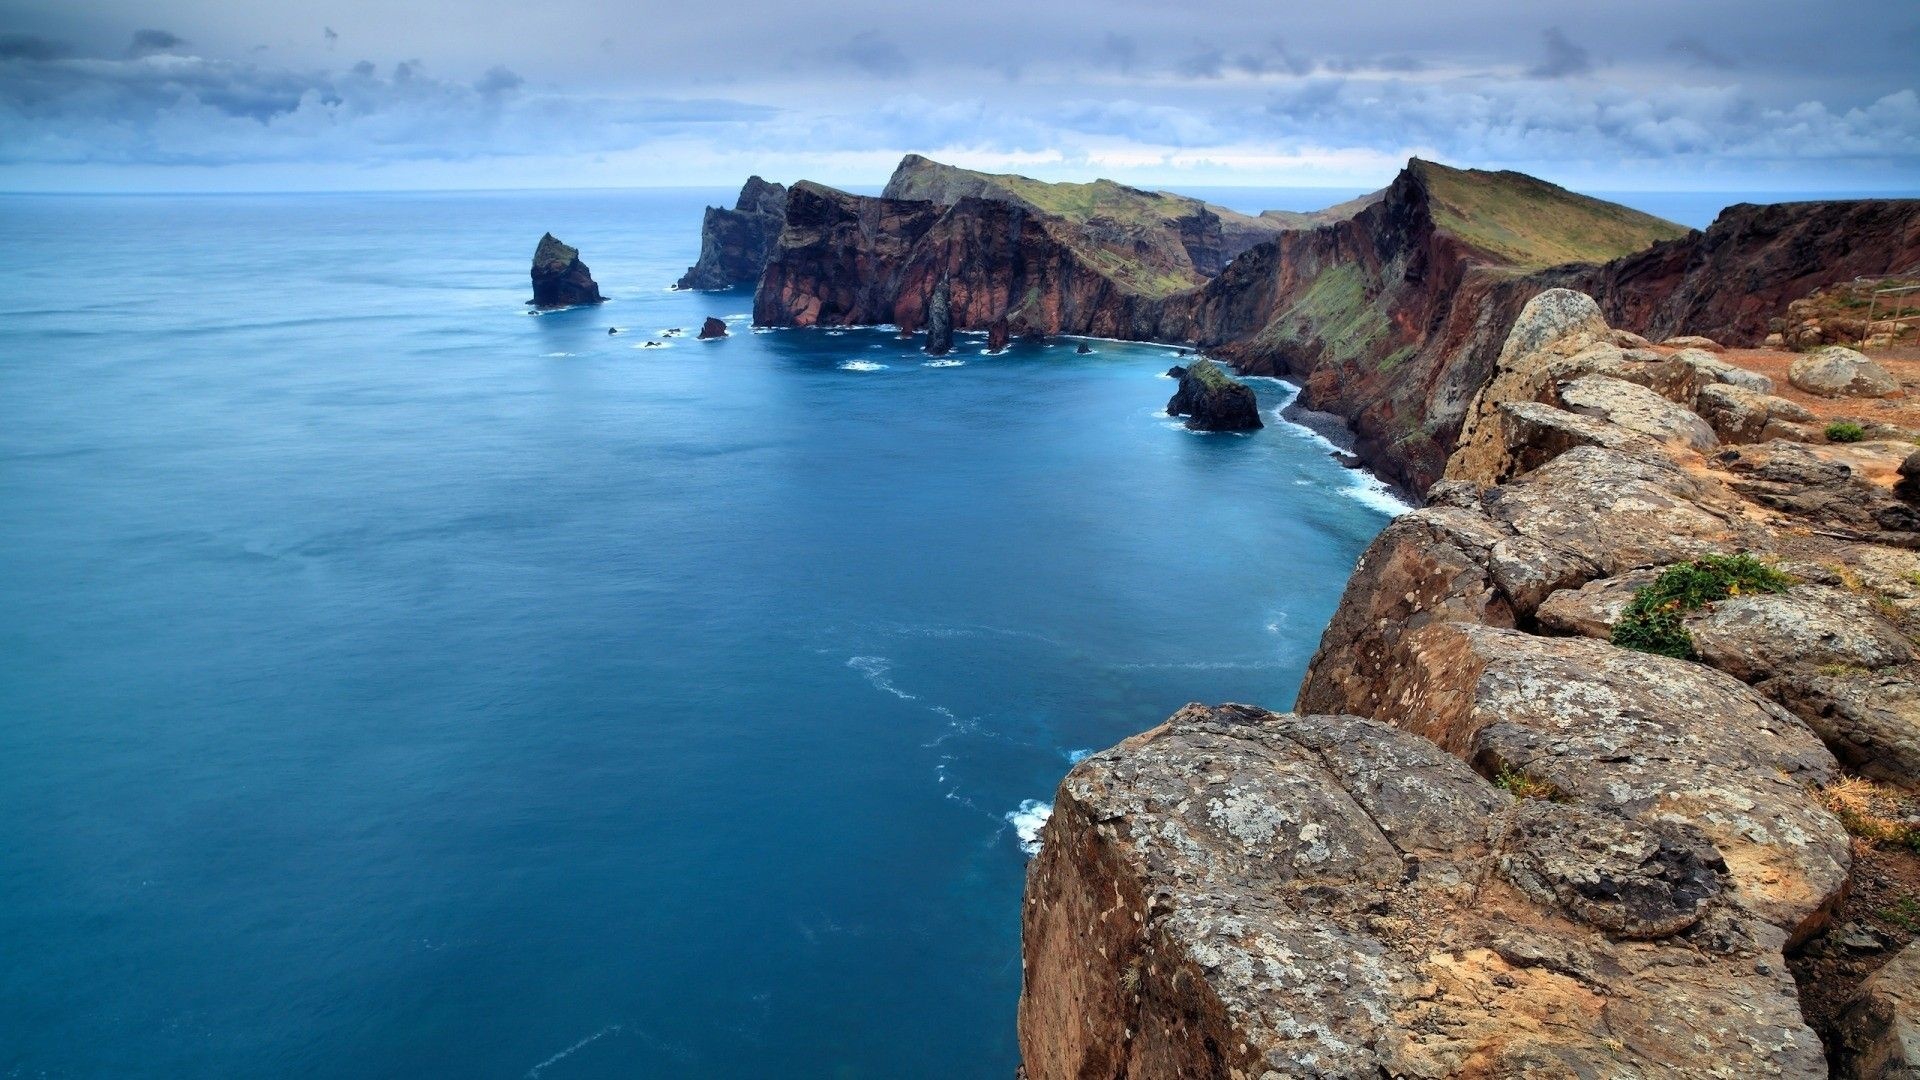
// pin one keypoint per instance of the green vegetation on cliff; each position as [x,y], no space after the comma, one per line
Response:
[1530,224]
[1652,621]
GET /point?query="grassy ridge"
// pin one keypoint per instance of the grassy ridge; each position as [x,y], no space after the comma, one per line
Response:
[1530,224]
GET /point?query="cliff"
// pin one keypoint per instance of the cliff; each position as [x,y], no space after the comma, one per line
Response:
[1576,787]
[1390,312]
[560,279]
[734,244]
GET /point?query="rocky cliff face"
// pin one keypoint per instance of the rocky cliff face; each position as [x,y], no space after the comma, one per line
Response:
[734,244]
[1391,315]
[1219,896]
[560,279]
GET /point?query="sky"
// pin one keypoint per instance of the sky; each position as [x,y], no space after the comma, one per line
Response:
[1633,95]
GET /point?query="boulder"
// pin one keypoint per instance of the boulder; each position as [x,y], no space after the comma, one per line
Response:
[1626,339]
[1908,486]
[1740,415]
[1878,1036]
[1533,434]
[1642,736]
[1637,408]
[1693,341]
[1871,720]
[712,328]
[560,279]
[1592,609]
[1714,369]
[1763,635]
[1213,402]
[1239,893]
[1837,371]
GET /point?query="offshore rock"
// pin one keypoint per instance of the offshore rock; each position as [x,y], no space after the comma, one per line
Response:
[560,279]
[1243,894]
[997,336]
[712,328]
[940,320]
[734,244]
[1211,401]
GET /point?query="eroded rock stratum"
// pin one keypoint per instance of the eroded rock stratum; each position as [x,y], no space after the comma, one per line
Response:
[1240,893]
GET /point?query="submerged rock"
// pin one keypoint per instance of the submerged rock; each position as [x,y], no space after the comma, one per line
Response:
[560,279]
[712,328]
[1211,401]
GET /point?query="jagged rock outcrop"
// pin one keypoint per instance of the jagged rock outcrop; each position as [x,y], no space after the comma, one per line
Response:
[1239,893]
[1483,624]
[734,244]
[1878,1037]
[1213,402]
[712,328]
[560,279]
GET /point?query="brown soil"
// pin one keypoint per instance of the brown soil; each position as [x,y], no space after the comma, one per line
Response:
[1879,916]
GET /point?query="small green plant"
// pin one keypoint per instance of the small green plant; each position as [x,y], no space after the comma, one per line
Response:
[1903,913]
[1651,623]
[1522,786]
[1845,431]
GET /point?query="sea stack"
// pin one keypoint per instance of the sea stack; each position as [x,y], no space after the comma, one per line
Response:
[997,336]
[1211,401]
[712,328]
[560,279]
[940,320]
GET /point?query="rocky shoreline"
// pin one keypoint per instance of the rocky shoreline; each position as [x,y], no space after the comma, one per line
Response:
[1540,853]
[1609,760]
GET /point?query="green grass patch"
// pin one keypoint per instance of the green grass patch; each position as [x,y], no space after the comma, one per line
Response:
[1530,223]
[1652,621]
[1845,431]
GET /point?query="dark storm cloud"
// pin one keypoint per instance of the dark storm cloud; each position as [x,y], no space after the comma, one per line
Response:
[1693,48]
[1564,58]
[1646,88]
[148,42]
[29,47]
[876,55]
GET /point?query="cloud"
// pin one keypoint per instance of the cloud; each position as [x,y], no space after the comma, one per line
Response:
[498,80]
[1700,51]
[1205,62]
[1564,58]
[29,47]
[331,37]
[1118,51]
[876,55]
[148,42]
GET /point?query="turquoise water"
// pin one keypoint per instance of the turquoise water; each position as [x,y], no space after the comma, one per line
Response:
[398,684]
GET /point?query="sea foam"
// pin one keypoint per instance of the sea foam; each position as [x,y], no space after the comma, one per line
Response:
[1026,821]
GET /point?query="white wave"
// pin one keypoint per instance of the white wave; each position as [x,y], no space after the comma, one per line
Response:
[1373,492]
[946,363]
[552,354]
[1026,822]
[875,668]
[741,317]
[861,365]
[1077,756]
[836,333]
[610,1029]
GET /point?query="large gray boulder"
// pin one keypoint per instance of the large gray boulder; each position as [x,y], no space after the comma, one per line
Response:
[1837,371]
[1239,893]
[1637,408]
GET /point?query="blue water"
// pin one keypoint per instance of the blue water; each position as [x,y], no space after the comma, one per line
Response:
[397,684]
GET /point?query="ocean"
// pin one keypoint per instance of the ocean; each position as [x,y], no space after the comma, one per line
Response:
[398,683]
